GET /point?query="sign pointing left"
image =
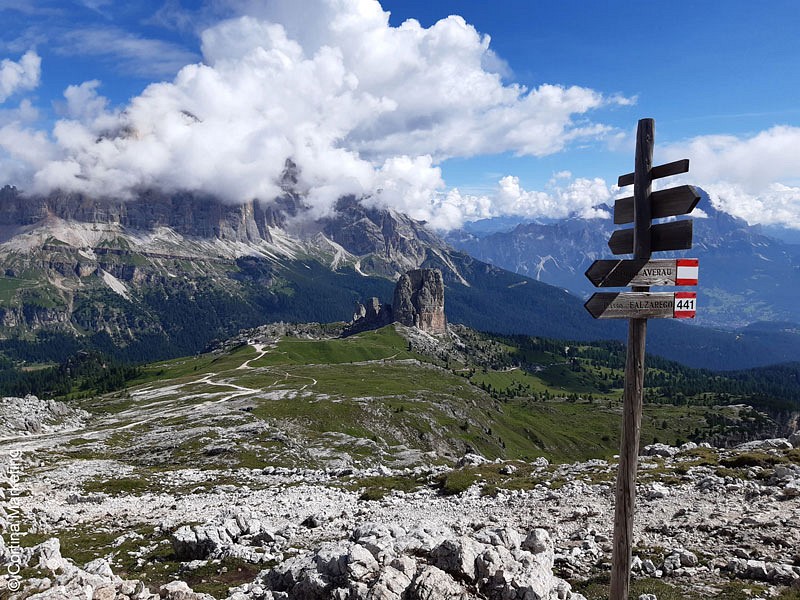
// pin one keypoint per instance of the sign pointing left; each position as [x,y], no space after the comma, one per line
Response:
[621,273]
[642,305]
[665,237]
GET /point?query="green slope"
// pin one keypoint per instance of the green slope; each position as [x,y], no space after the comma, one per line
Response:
[375,398]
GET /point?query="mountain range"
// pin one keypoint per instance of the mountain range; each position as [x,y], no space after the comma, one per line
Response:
[165,273]
[747,276]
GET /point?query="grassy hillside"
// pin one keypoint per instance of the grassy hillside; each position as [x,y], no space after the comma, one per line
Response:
[380,398]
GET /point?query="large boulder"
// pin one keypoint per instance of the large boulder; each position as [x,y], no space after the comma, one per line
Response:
[769,444]
[457,557]
[434,584]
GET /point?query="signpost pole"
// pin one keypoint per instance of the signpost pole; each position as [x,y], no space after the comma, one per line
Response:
[634,374]
[640,304]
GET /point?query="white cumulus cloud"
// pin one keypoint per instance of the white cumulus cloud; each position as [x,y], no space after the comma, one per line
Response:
[575,197]
[563,196]
[19,76]
[362,107]
[754,177]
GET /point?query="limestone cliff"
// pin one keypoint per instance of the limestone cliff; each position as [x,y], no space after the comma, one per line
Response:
[186,213]
[419,300]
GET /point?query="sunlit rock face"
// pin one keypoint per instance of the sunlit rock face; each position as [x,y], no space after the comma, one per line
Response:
[419,300]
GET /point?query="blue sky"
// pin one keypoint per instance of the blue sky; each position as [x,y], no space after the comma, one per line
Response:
[698,68]
[720,78]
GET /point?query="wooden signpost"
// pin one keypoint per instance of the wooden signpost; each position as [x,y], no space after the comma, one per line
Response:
[619,273]
[639,305]
[642,305]
[664,203]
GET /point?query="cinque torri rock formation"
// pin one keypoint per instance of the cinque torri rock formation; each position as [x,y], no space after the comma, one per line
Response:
[418,302]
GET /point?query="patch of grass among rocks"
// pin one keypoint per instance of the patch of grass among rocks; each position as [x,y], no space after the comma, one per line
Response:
[118,486]
[217,576]
[456,482]
[513,475]
[754,459]
[376,488]
[596,588]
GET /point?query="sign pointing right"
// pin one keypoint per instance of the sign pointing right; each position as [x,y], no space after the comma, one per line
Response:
[663,203]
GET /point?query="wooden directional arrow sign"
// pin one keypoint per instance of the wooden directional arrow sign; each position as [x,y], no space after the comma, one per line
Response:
[621,273]
[642,305]
[673,168]
[663,203]
[666,236]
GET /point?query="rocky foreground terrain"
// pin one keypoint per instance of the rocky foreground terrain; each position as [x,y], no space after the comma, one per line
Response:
[709,522]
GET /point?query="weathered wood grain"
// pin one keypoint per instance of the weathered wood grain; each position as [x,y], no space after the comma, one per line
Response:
[663,237]
[663,203]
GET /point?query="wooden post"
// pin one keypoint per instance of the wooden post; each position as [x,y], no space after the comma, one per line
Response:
[625,500]
[639,305]
[642,183]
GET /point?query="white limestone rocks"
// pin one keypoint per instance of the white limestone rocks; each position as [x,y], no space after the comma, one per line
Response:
[32,416]
[389,563]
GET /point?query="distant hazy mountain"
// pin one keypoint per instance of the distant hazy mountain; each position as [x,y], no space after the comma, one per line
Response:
[784,234]
[746,276]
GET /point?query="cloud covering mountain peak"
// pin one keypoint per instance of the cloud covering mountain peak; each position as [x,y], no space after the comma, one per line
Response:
[362,107]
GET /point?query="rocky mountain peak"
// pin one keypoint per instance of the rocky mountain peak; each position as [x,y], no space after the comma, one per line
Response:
[290,176]
[187,213]
[393,242]
[399,239]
